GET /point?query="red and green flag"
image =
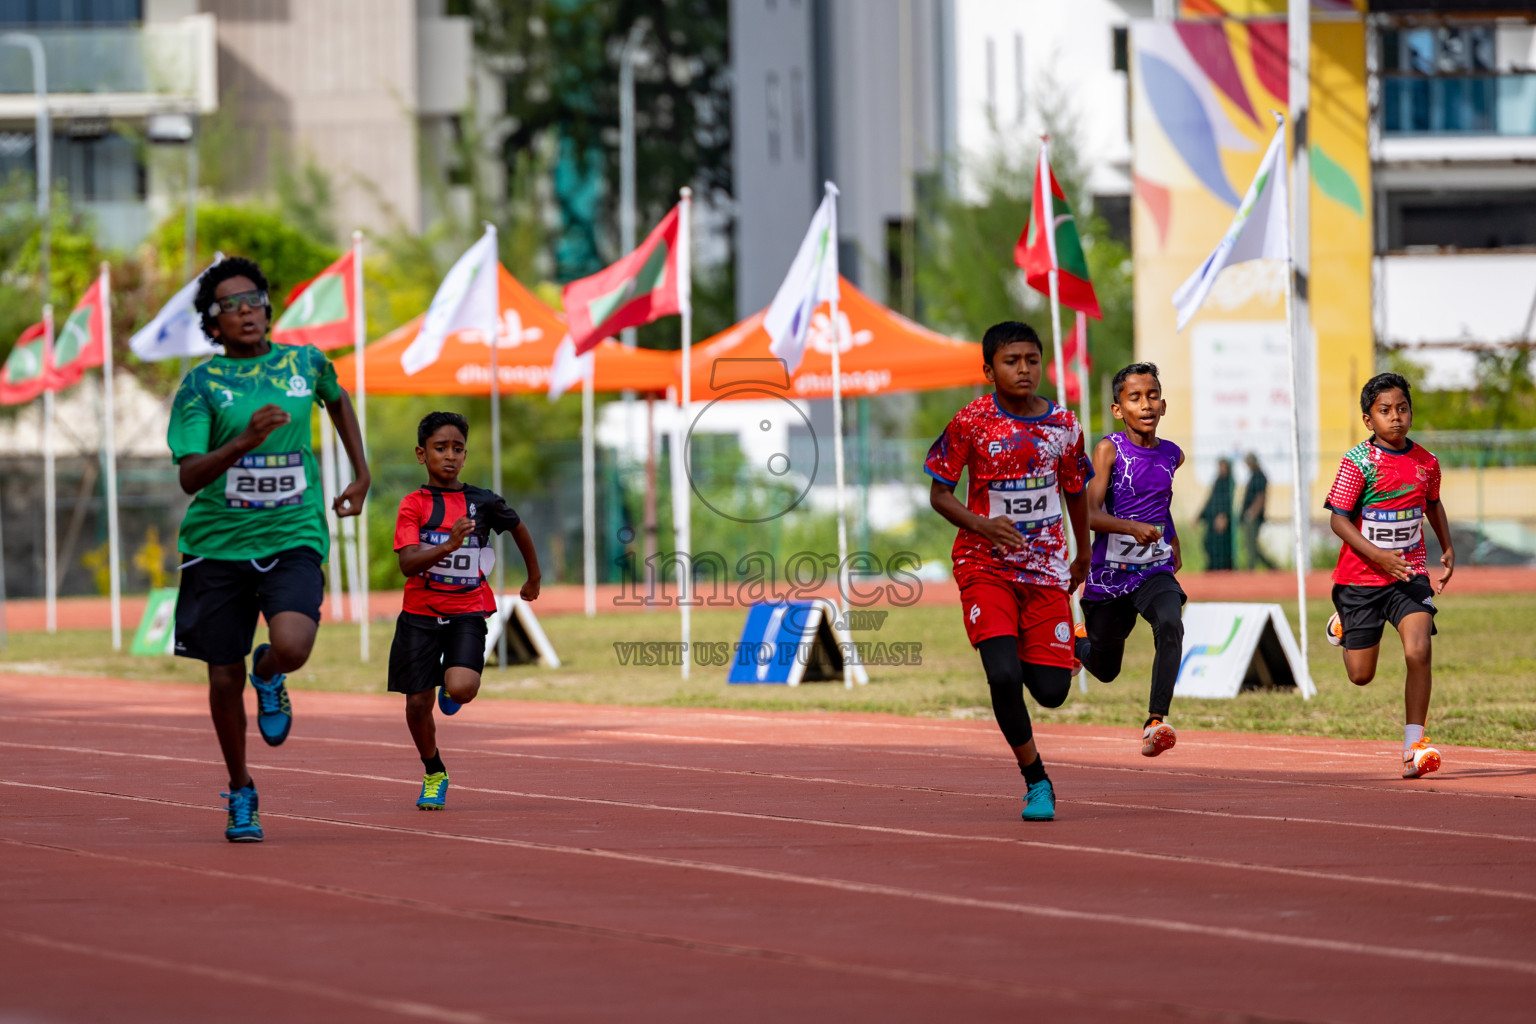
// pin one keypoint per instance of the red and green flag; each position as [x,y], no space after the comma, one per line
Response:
[642,287]
[82,341]
[1054,245]
[25,374]
[320,311]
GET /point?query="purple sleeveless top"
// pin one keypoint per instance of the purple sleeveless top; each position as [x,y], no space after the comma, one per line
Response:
[1140,488]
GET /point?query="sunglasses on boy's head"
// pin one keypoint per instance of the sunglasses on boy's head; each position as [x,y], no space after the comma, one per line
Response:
[231,303]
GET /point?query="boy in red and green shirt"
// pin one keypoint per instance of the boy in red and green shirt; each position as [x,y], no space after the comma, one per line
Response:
[1386,489]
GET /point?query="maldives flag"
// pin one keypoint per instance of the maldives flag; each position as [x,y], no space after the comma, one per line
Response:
[82,342]
[26,371]
[320,311]
[642,287]
[1044,248]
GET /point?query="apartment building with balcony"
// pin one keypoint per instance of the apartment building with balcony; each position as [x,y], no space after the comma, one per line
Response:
[1453,142]
[363,89]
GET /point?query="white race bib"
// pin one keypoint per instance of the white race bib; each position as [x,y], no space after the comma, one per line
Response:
[465,567]
[1125,552]
[265,481]
[1033,503]
[1396,529]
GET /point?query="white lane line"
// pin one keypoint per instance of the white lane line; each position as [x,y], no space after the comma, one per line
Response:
[1129,923]
[398,1007]
[837,782]
[1186,860]
[762,953]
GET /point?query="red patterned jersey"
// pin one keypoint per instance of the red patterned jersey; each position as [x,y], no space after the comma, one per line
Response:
[1385,493]
[456,584]
[1017,467]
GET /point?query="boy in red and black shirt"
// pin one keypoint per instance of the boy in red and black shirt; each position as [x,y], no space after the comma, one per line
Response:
[1024,458]
[443,536]
[1386,490]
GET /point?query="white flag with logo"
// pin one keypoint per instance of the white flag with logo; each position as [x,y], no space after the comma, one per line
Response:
[1261,230]
[812,280]
[468,299]
[177,330]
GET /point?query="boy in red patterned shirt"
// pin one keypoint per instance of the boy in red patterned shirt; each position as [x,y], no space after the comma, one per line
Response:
[1024,458]
[442,536]
[1386,488]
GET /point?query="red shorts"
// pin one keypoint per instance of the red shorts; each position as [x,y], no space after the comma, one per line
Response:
[1041,618]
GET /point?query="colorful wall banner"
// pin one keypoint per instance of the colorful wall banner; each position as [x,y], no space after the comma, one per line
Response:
[1202,92]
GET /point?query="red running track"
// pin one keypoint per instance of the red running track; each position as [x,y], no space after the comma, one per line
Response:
[652,864]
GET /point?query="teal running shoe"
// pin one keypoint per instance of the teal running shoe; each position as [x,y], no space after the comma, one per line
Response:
[434,792]
[244,824]
[446,704]
[1040,801]
[274,711]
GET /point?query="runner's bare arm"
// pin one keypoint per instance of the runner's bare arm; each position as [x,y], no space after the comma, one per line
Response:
[198,471]
[350,501]
[416,559]
[1098,487]
[1442,527]
[1178,553]
[524,541]
[999,531]
[1389,562]
[1077,512]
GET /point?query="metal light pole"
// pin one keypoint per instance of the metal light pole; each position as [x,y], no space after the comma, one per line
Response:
[34,46]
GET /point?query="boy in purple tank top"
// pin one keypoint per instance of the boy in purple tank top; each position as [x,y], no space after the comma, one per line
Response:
[1136,551]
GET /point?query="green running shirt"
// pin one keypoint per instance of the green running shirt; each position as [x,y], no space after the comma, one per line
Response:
[271,499]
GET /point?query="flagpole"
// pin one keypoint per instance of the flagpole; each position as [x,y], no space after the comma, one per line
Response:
[588,497]
[1298,511]
[1080,328]
[837,447]
[50,538]
[495,340]
[109,441]
[682,497]
[359,342]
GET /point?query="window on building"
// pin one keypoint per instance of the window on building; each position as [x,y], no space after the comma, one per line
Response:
[1120,45]
[1446,79]
[1461,220]
[70,12]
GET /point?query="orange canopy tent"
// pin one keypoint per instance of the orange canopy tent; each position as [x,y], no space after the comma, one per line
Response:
[882,352]
[530,334]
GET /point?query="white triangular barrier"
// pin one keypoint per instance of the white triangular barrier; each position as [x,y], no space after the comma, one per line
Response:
[1233,647]
[526,641]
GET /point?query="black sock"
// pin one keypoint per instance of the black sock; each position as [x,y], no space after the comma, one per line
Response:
[1034,771]
[434,764]
[1151,719]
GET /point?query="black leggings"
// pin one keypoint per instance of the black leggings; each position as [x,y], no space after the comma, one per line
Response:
[1110,622]
[1008,675]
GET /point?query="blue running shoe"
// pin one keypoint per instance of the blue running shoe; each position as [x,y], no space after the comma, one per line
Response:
[434,792]
[274,711]
[1040,801]
[244,825]
[446,704]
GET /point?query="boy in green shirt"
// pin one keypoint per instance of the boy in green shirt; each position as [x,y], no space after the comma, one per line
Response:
[255,534]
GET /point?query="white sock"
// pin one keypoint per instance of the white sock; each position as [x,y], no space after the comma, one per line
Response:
[1411,735]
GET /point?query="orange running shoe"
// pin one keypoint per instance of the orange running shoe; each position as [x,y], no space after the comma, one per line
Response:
[1156,738]
[1079,632]
[1334,630]
[1420,759]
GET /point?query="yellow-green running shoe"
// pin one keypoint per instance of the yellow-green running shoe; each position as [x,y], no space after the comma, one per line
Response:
[434,792]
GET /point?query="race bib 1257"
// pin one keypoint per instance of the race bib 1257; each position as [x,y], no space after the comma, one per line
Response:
[270,480]
[1396,529]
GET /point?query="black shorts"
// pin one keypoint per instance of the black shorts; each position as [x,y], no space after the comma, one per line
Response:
[1111,620]
[426,646]
[217,604]
[1363,611]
